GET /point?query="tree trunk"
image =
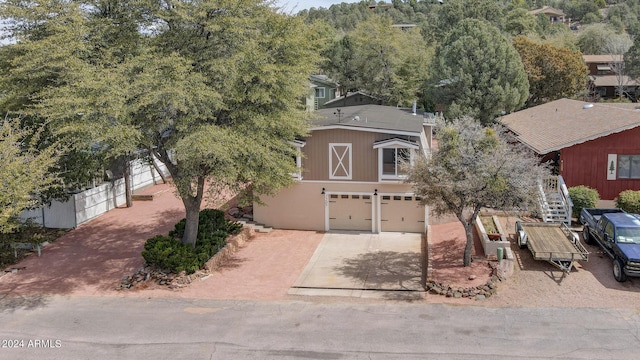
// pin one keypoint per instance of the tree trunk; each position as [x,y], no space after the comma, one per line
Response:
[127,183]
[192,207]
[468,229]
[193,221]
[155,166]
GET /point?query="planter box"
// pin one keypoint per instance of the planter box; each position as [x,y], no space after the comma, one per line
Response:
[491,246]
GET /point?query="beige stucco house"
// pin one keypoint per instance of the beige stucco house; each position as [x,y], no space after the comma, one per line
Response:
[352,168]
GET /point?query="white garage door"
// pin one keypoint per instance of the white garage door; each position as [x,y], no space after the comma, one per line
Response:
[350,212]
[401,214]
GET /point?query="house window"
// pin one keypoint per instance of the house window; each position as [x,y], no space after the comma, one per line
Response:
[320,93]
[393,162]
[297,159]
[629,166]
[339,161]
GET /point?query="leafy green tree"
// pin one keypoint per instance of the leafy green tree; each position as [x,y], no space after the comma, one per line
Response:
[632,59]
[210,88]
[24,172]
[477,72]
[553,72]
[519,22]
[475,167]
[382,60]
[593,38]
[452,12]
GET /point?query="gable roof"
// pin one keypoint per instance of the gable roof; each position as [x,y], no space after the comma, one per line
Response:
[350,95]
[563,123]
[369,117]
[323,79]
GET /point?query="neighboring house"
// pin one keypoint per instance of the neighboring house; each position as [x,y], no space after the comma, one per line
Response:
[606,77]
[323,89]
[596,145]
[352,99]
[553,14]
[352,172]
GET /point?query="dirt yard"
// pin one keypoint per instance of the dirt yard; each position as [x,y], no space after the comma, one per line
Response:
[535,283]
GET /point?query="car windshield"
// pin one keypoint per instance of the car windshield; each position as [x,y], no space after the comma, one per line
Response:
[628,235]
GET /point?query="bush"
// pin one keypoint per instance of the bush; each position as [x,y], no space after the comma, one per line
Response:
[629,201]
[583,197]
[168,253]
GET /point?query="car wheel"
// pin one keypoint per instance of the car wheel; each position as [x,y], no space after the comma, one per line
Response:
[618,271]
[586,235]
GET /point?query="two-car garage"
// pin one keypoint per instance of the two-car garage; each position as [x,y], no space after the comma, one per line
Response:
[374,212]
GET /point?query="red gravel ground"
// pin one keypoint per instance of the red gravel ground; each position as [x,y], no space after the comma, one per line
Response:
[91,260]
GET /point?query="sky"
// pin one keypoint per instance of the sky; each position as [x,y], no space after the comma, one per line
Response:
[297,5]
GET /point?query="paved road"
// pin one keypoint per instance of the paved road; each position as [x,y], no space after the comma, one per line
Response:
[121,328]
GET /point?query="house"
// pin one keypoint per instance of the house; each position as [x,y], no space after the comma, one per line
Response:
[606,77]
[323,89]
[553,14]
[352,172]
[352,99]
[595,145]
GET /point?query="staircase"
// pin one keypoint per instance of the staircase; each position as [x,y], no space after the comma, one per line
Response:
[260,228]
[555,205]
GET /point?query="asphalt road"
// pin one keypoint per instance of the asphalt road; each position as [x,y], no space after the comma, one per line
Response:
[122,328]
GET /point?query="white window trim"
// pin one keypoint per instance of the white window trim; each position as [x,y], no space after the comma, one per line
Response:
[348,152]
[323,90]
[394,145]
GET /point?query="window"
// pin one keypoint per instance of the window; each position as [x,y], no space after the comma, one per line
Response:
[339,161]
[297,159]
[629,166]
[394,160]
[320,93]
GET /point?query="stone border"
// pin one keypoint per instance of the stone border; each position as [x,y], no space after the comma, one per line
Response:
[499,272]
[175,281]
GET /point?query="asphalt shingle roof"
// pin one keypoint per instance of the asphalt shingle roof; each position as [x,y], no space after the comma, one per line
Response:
[563,123]
[371,116]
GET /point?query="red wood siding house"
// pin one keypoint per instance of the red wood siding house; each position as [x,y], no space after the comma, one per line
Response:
[596,145]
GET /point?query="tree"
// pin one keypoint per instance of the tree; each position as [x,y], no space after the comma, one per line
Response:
[210,88]
[553,72]
[24,172]
[632,59]
[452,12]
[592,39]
[477,72]
[616,46]
[475,167]
[519,22]
[381,60]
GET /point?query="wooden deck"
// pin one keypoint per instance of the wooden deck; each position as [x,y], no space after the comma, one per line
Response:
[549,242]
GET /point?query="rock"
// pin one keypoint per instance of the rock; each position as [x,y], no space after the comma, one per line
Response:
[472,277]
[234,211]
[480,297]
[457,294]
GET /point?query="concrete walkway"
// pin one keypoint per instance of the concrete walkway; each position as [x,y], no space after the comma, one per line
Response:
[348,263]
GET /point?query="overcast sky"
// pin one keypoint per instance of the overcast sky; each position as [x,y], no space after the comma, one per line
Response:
[297,5]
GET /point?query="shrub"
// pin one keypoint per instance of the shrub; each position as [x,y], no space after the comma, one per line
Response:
[583,197]
[629,201]
[168,253]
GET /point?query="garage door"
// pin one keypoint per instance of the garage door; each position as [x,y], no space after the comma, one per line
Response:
[350,212]
[401,214]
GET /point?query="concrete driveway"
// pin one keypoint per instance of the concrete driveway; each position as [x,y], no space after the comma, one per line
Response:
[349,263]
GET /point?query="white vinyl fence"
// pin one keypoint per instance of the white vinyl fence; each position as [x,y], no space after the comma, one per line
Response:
[84,206]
